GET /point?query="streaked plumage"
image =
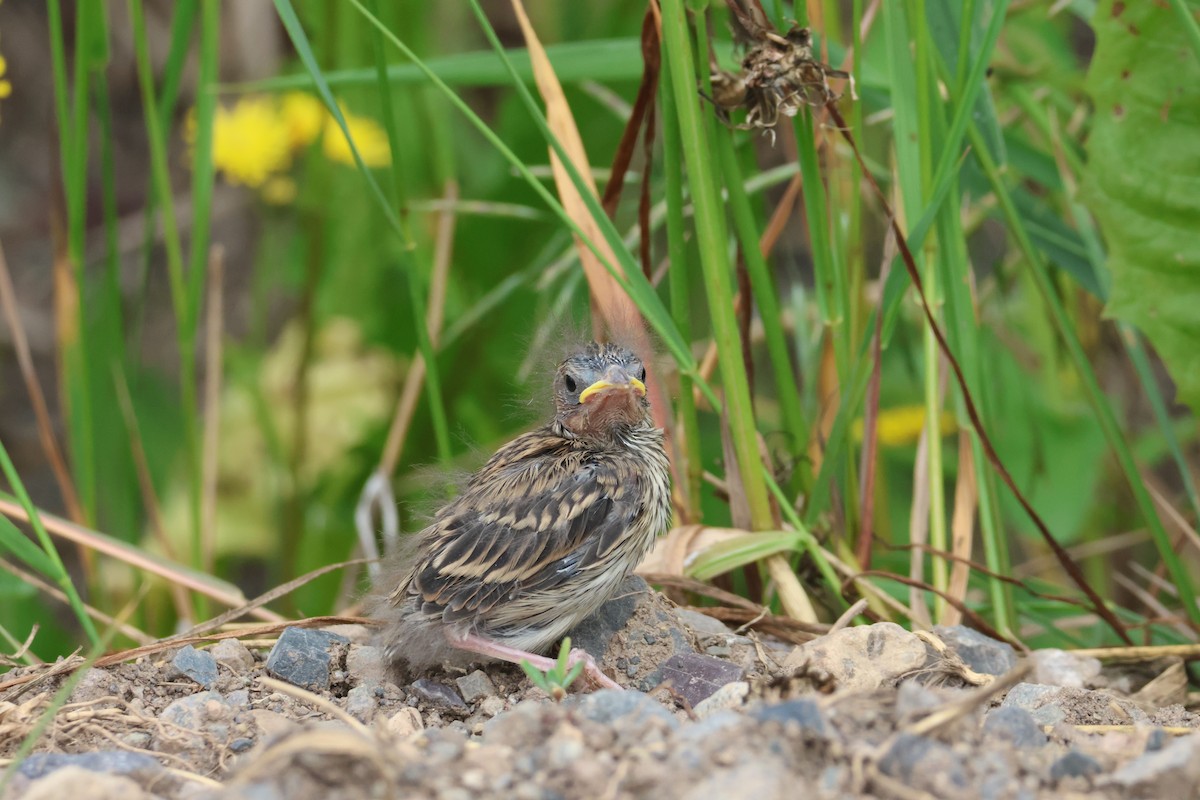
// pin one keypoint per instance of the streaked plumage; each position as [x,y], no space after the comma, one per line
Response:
[544,533]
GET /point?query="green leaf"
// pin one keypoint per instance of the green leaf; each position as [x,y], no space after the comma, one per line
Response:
[741,550]
[17,543]
[1143,179]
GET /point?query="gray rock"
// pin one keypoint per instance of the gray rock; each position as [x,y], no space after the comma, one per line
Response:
[695,677]
[437,694]
[702,624]
[304,658]
[361,703]
[595,632]
[925,764]
[720,724]
[731,695]
[366,665]
[234,655]
[862,657]
[475,686]
[94,684]
[609,705]
[914,700]
[198,665]
[980,653]
[1051,705]
[766,778]
[194,721]
[241,744]
[78,782]
[1060,668]
[113,762]
[1040,701]
[995,777]
[1173,771]
[1015,725]
[1074,765]
[137,739]
[803,713]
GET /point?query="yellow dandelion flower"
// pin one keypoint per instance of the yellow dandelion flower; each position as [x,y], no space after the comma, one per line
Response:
[251,142]
[5,84]
[279,190]
[903,425]
[368,137]
[303,115]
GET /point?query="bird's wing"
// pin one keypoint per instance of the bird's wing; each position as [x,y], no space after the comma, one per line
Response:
[533,518]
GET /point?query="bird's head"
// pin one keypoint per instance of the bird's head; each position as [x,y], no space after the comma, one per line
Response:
[601,390]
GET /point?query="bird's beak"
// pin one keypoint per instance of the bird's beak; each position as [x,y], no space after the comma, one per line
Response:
[614,378]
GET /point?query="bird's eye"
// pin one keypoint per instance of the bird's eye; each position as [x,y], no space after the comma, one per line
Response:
[642,375]
[570,382]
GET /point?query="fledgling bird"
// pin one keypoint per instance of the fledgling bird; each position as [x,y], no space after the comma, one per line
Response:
[543,534]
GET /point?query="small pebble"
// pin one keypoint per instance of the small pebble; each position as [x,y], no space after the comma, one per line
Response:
[137,739]
[491,706]
[233,654]
[198,665]
[404,723]
[361,703]
[437,694]
[1074,765]
[241,744]
[649,638]
[475,686]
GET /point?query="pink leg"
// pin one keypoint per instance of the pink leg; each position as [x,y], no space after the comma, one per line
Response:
[486,647]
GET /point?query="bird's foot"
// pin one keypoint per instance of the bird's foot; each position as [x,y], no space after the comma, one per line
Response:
[486,647]
[591,670]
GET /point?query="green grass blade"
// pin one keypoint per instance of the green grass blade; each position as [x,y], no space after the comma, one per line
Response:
[603,61]
[713,243]
[52,567]
[416,288]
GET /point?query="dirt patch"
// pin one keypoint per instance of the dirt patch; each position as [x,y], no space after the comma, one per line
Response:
[864,712]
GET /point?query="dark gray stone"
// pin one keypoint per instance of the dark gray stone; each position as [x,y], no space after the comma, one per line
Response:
[595,632]
[475,686]
[1157,740]
[1014,725]
[113,762]
[804,713]
[241,744]
[609,705]
[1074,765]
[926,764]
[304,657]
[437,694]
[980,653]
[198,665]
[694,676]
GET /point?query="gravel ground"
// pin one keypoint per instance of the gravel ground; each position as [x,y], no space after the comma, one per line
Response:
[868,711]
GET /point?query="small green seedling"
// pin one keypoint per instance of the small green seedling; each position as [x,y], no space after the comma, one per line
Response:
[556,680]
